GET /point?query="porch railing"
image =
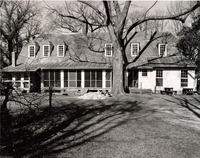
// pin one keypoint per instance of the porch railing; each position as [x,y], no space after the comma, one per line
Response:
[134,84]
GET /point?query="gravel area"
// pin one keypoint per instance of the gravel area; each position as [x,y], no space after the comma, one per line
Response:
[94,95]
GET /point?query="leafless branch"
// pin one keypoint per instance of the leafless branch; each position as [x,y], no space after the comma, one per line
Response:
[107,9]
[117,7]
[150,8]
[166,17]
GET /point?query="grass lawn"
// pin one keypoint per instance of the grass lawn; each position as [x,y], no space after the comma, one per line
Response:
[130,126]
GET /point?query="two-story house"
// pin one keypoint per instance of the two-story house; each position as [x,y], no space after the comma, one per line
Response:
[75,62]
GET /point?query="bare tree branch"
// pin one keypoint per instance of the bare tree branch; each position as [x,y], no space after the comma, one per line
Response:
[106,5]
[14,18]
[117,7]
[150,9]
[166,17]
[93,7]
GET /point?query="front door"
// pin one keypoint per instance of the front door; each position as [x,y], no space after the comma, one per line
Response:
[133,78]
[35,81]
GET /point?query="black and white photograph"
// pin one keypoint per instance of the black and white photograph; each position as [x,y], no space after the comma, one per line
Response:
[99,79]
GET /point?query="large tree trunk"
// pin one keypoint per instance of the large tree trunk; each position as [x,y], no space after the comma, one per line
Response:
[117,70]
[117,87]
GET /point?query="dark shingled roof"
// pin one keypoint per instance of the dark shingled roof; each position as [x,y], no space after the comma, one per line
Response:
[63,65]
[168,61]
[79,56]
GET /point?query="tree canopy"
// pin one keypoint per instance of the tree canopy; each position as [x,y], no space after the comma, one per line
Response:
[189,43]
[18,23]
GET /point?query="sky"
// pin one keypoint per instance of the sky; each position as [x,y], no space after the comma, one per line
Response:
[161,5]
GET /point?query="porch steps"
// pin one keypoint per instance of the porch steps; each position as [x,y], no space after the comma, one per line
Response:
[138,91]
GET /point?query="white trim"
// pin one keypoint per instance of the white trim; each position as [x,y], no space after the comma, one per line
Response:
[29,50]
[58,50]
[111,50]
[48,50]
[138,45]
[62,78]
[165,53]
[104,79]
[82,79]
[22,82]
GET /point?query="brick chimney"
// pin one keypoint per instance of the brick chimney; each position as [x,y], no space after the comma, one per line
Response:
[13,59]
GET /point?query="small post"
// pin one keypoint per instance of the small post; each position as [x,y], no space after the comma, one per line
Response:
[50,98]
[140,87]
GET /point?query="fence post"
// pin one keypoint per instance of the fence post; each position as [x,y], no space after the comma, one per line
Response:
[50,98]
[140,87]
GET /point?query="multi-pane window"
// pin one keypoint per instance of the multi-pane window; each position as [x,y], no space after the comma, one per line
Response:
[184,78]
[17,76]
[60,50]
[144,72]
[7,79]
[26,75]
[108,49]
[31,50]
[108,78]
[134,49]
[162,49]
[72,78]
[52,78]
[93,78]
[18,79]
[159,78]
[66,78]
[26,79]
[7,76]
[46,50]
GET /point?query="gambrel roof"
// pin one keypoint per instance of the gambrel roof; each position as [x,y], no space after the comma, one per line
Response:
[82,52]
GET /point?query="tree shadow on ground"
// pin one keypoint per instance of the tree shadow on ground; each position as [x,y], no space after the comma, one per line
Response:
[185,102]
[68,125]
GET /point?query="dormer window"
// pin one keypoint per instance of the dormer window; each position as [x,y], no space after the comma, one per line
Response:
[134,49]
[108,49]
[46,50]
[31,51]
[162,50]
[60,50]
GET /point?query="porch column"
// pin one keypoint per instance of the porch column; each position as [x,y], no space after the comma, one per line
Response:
[126,74]
[104,79]
[22,82]
[139,79]
[13,79]
[62,78]
[42,79]
[29,82]
[82,79]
